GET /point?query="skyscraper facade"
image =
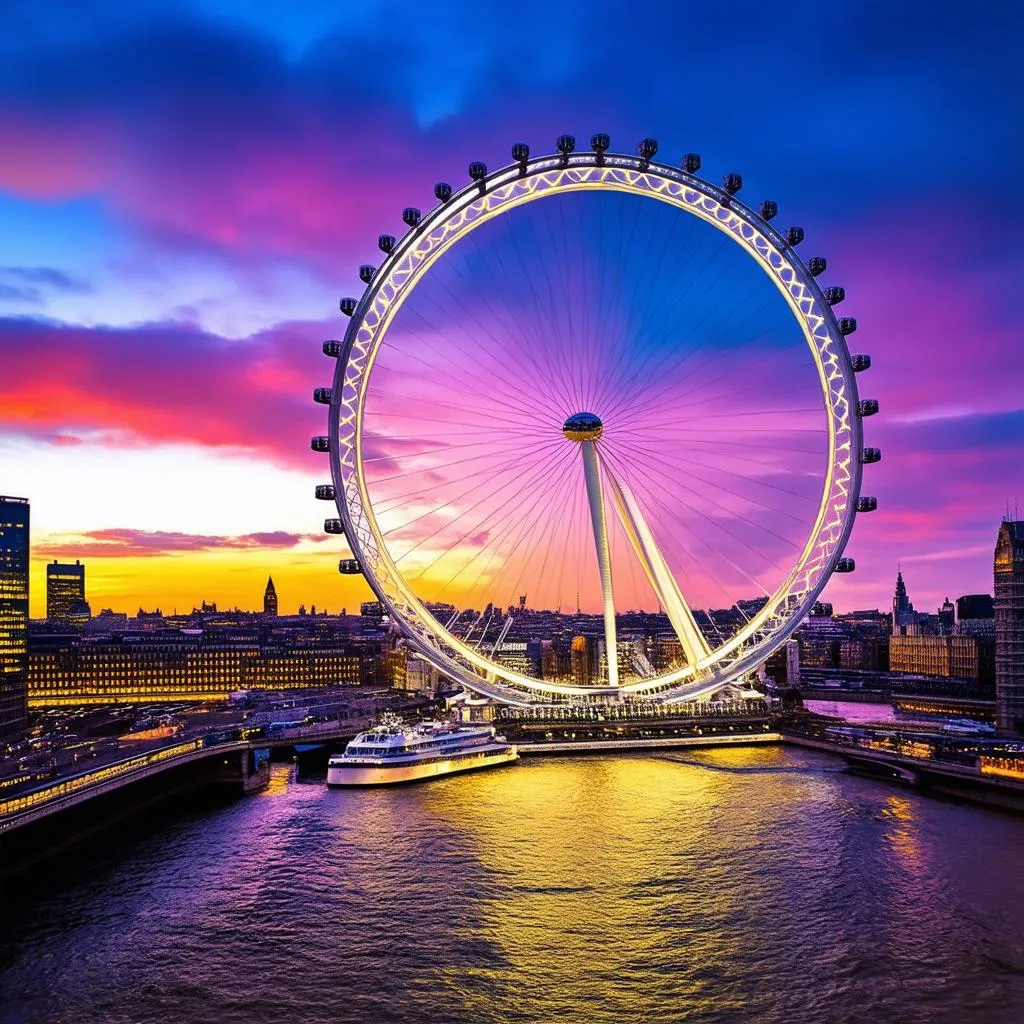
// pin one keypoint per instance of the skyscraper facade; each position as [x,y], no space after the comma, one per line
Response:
[1009,615]
[270,599]
[65,589]
[14,560]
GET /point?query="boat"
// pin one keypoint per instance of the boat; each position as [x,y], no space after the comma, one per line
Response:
[393,752]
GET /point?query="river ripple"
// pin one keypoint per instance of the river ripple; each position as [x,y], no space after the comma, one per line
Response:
[737,885]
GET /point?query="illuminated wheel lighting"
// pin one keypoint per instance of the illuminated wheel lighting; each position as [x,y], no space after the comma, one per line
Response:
[590,435]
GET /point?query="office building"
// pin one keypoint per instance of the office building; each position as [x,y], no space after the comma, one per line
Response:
[952,657]
[65,590]
[421,677]
[14,587]
[1009,619]
[975,616]
[584,660]
[947,618]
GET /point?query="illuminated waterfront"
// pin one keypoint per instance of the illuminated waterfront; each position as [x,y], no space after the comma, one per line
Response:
[727,885]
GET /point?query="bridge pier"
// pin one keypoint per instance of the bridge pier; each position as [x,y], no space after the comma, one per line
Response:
[254,770]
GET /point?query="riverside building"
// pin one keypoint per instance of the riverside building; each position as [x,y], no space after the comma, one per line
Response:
[955,657]
[193,665]
[14,586]
[1009,622]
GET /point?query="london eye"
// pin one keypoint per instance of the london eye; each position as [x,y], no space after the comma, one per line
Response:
[587,392]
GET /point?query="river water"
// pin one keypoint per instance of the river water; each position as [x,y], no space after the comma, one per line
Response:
[756,884]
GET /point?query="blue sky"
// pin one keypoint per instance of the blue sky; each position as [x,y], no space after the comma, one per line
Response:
[217,170]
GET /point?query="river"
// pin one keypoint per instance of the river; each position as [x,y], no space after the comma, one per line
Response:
[751,884]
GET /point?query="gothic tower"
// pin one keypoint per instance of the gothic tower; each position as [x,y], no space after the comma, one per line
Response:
[270,599]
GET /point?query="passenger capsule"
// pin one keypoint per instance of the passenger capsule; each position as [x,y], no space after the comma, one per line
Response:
[348,306]
[868,406]
[599,143]
[324,492]
[847,325]
[691,163]
[834,295]
[335,526]
[520,153]
[350,567]
[322,396]
[477,170]
[732,183]
[860,362]
[411,216]
[648,149]
[845,565]
[867,504]
[565,144]
[332,348]
[794,236]
[320,443]
[386,243]
[817,265]
[443,191]
[869,455]
[769,209]
[366,273]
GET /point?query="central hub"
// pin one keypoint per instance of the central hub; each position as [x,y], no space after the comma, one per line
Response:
[583,426]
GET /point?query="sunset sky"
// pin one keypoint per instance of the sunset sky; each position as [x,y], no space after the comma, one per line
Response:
[187,188]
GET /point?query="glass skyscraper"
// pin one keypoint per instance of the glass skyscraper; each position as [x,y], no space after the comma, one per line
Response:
[1009,613]
[65,589]
[14,549]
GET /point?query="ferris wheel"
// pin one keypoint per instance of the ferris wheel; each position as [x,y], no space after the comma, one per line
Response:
[586,393]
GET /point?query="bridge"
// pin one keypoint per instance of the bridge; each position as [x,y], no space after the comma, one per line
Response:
[993,778]
[38,802]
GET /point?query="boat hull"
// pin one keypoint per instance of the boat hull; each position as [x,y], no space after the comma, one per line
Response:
[390,775]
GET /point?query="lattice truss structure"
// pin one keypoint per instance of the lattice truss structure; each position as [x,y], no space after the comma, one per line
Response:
[491,195]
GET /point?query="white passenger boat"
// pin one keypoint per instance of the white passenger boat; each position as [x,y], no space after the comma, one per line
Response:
[393,752]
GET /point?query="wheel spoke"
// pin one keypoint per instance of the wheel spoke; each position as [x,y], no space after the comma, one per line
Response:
[695,345]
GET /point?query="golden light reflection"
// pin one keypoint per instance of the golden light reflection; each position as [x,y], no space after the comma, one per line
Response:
[280,779]
[902,836]
[602,867]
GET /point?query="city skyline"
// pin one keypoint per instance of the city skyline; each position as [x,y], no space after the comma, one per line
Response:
[265,602]
[186,266]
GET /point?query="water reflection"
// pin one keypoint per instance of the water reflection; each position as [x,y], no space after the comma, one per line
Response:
[732,885]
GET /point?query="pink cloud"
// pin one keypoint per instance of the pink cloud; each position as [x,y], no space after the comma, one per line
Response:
[122,543]
[164,383]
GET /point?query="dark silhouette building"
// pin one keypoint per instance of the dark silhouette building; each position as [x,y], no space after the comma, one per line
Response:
[270,599]
[947,618]
[14,586]
[974,606]
[904,618]
[975,616]
[1009,616]
[65,590]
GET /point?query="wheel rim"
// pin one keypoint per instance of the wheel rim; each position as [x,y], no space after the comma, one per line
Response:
[443,229]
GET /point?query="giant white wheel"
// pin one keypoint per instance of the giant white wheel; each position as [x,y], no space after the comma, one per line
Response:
[528,400]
